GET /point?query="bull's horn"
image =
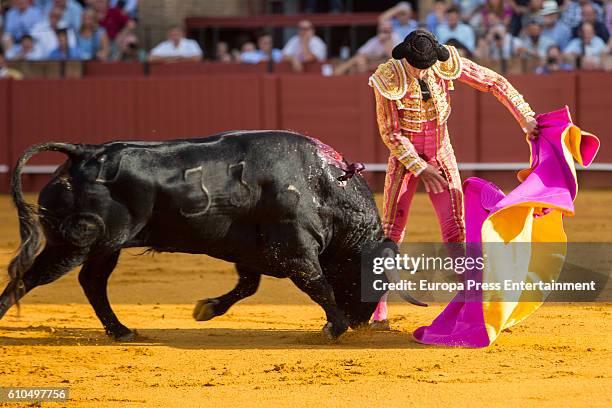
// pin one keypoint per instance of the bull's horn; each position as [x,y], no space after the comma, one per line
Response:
[393,276]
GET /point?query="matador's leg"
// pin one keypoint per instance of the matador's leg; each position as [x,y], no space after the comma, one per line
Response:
[400,187]
[449,203]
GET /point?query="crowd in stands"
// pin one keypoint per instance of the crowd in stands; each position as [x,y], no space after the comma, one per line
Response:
[34,30]
[559,35]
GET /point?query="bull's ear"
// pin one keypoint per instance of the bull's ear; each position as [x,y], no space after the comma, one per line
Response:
[239,189]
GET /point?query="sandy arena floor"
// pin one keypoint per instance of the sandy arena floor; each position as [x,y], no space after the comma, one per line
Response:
[267,351]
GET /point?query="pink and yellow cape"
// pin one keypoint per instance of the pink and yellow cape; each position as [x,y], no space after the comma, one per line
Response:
[531,213]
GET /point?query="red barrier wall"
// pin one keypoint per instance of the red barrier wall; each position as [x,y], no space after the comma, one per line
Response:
[595,108]
[5,143]
[99,69]
[343,118]
[338,110]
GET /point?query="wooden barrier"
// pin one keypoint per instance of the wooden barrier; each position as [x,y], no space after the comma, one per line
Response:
[337,110]
[99,69]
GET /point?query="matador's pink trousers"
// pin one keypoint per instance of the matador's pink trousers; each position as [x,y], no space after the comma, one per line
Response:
[400,186]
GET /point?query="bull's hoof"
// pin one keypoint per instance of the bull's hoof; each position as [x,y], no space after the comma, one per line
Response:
[380,325]
[121,334]
[332,331]
[205,309]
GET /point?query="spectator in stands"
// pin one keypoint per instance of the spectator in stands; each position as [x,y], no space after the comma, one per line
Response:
[553,27]
[304,47]
[71,12]
[492,14]
[553,62]
[499,44]
[520,9]
[128,47]
[19,20]
[25,50]
[453,28]
[247,46]
[222,53]
[112,19]
[572,12]
[400,16]
[437,16]
[64,51]
[589,15]
[375,51]
[534,11]
[534,44]
[587,50]
[129,6]
[468,9]
[176,48]
[92,40]
[5,71]
[264,52]
[44,33]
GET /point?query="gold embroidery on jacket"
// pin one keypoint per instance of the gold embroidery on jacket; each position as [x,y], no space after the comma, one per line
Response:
[451,68]
[390,80]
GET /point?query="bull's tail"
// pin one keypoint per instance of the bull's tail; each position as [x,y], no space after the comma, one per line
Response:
[29,225]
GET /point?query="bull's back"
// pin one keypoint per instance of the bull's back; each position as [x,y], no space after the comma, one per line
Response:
[194,192]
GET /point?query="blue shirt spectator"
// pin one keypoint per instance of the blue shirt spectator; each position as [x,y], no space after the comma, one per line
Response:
[71,12]
[467,8]
[64,51]
[257,56]
[264,51]
[553,28]
[588,45]
[62,55]
[437,16]
[572,15]
[26,50]
[401,19]
[553,62]
[20,19]
[453,28]
[89,46]
[91,39]
[533,41]
[593,49]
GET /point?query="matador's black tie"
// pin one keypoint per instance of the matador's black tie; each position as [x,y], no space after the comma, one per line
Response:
[424,90]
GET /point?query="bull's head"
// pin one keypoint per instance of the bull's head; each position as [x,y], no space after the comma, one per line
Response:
[347,287]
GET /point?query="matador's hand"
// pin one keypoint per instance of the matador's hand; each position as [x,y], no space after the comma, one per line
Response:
[433,180]
[531,128]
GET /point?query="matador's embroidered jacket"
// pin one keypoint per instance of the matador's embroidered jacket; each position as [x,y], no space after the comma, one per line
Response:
[400,109]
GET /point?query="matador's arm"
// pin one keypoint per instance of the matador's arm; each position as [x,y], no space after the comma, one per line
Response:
[487,80]
[399,145]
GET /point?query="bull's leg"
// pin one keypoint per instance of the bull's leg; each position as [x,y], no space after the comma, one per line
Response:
[51,264]
[311,280]
[248,282]
[94,281]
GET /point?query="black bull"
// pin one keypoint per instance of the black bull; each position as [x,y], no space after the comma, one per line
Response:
[268,201]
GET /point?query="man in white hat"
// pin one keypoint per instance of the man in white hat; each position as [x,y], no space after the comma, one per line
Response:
[553,28]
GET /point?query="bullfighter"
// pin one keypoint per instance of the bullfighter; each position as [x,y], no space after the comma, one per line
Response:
[412,109]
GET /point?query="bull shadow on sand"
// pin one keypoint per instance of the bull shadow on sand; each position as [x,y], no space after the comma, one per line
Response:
[208,338]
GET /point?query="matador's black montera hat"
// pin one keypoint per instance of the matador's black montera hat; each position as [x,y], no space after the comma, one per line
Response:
[421,49]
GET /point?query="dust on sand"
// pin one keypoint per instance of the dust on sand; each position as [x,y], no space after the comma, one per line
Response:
[268,351]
